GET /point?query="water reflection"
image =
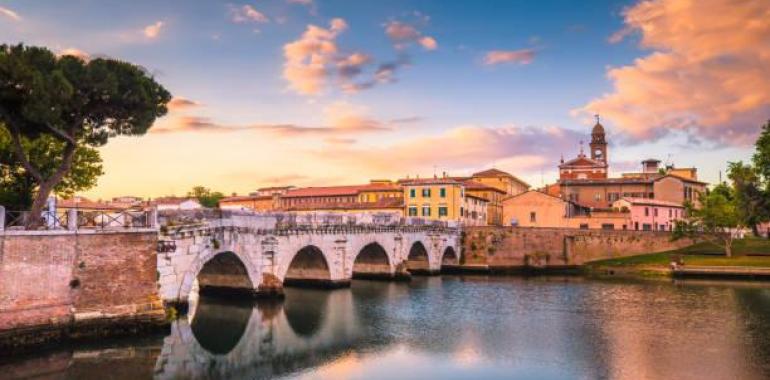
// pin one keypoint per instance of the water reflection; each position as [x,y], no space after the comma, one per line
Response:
[453,327]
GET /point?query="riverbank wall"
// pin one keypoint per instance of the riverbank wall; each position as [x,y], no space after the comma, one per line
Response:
[507,249]
[58,285]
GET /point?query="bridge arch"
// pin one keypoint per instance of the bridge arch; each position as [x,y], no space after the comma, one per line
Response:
[449,258]
[418,260]
[373,262]
[221,273]
[308,267]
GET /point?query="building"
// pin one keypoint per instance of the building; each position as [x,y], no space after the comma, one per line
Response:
[474,210]
[390,206]
[434,198]
[584,180]
[253,202]
[175,203]
[538,209]
[87,205]
[506,182]
[323,197]
[651,214]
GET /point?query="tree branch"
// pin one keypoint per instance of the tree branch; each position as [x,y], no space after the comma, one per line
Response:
[59,134]
[18,150]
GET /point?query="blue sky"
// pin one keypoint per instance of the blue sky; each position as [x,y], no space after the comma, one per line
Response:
[462,85]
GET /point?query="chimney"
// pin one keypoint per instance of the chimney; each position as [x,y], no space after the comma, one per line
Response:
[650,165]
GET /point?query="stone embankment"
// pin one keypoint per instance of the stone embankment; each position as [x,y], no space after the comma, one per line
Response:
[62,284]
[512,249]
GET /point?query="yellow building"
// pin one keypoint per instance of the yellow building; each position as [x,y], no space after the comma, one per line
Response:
[379,189]
[501,180]
[440,199]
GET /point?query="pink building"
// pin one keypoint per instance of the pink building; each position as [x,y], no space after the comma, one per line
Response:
[651,214]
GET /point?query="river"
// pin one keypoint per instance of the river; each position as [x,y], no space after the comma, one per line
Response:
[449,327]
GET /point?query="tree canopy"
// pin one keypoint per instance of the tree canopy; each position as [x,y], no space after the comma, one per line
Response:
[205,196]
[75,102]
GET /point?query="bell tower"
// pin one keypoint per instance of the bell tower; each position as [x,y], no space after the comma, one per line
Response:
[598,142]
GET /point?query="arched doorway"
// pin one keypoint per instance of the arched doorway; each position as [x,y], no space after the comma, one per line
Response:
[449,259]
[417,262]
[225,275]
[372,263]
[308,268]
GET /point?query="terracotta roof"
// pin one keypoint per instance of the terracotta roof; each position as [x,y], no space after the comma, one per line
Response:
[328,191]
[476,197]
[429,181]
[238,198]
[383,203]
[275,188]
[651,202]
[473,185]
[582,161]
[492,173]
[498,173]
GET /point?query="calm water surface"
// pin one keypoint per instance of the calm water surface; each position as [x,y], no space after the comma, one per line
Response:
[450,327]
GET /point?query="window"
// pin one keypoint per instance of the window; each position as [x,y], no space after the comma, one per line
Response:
[608,226]
[655,210]
[636,226]
[426,193]
[425,210]
[597,197]
[584,226]
[442,192]
[533,217]
[412,210]
[670,213]
[412,193]
[646,227]
[462,212]
[442,210]
[646,211]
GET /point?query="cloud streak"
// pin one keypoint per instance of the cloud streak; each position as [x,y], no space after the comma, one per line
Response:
[522,57]
[708,74]
[7,12]
[247,14]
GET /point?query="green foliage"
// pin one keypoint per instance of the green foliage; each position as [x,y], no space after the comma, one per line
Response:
[750,200]
[716,220]
[205,196]
[74,102]
[17,186]
[761,158]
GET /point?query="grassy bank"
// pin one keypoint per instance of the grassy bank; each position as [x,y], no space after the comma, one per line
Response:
[750,252]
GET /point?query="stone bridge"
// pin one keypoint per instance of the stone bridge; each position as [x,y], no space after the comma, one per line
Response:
[257,256]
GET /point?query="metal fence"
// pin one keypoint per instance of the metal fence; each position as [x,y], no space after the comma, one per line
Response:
[75,219]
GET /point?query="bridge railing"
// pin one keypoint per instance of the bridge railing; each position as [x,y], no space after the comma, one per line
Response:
[286,223]
[79,220]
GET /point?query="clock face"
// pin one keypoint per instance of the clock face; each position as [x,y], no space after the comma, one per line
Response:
[598,152]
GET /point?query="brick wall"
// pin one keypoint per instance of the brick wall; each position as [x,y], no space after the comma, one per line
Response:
[504,247]
[52,279]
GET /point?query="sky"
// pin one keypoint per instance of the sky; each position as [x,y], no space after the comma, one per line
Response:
[317,92]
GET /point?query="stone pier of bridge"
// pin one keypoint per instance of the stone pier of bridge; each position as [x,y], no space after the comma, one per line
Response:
[255,256]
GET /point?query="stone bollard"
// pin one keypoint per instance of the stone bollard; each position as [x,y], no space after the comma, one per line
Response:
[152,217]
[72,219]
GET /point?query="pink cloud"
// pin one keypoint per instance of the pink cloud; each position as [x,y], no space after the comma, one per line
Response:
[522,57]
[7,12]
[153,31]
[403,34]
[247,13]
[708,76]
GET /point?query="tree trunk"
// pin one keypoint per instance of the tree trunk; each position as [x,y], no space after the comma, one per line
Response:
[755,229]
[729,248]
[34,219]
